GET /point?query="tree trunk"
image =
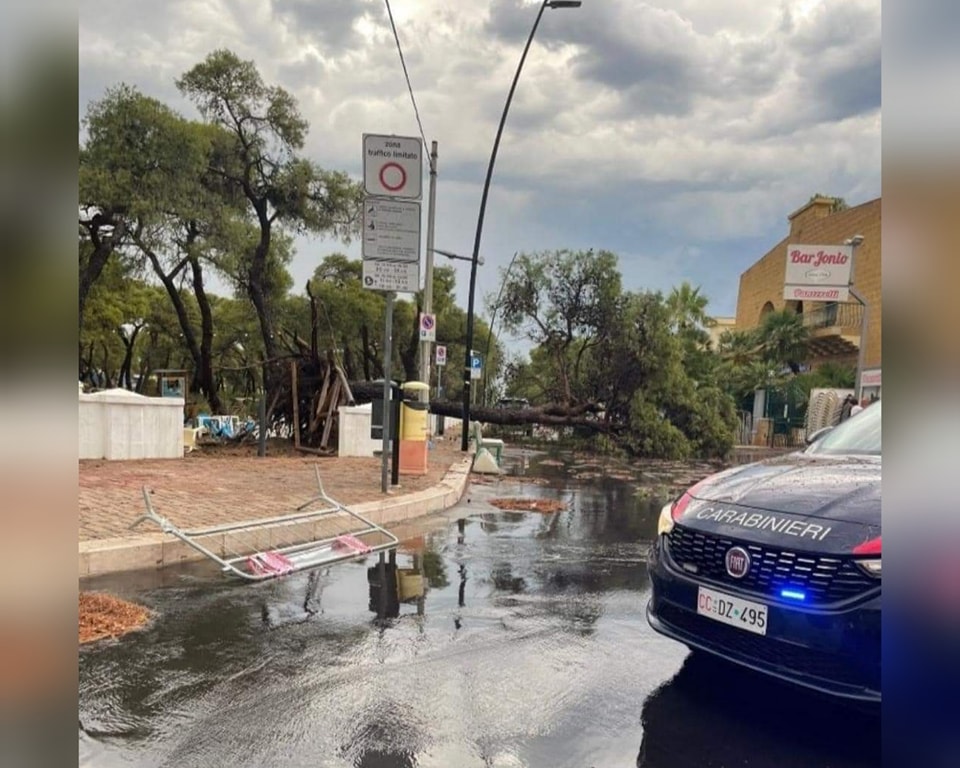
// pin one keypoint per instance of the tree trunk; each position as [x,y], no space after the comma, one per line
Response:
[367,356]
[348,364]
[206,379]
[103,247]
[555,415]
[189,335]
[259,290]
[125,378]
[314,324]
[408,352]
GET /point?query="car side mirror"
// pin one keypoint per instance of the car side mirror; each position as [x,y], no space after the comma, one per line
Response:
[811,439]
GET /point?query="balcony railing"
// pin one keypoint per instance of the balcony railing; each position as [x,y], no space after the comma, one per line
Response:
[833,316]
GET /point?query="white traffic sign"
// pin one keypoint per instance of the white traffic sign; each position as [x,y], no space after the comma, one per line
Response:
[393,166]
[396,276]
[428,327]
[441,355]
[476,367]
[391,229]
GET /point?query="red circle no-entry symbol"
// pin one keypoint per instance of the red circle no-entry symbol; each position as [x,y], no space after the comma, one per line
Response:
[389,181]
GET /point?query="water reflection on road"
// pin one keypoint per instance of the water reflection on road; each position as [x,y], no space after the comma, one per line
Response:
[528,647]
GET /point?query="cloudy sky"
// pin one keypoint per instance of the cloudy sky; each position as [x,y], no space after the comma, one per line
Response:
[678,134]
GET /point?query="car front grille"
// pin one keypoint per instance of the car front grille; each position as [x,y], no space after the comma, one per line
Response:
[824,579]
[769,652]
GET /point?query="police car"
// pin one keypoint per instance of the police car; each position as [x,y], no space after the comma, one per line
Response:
[776,565]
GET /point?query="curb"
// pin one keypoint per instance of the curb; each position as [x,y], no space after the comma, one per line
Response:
[157,550]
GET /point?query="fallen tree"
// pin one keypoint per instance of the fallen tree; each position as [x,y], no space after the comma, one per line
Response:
[553,415]
[550,415]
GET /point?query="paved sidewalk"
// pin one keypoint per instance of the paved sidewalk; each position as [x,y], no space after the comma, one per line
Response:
[201,490]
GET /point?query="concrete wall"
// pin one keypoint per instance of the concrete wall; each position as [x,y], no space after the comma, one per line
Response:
[118,425]
[816,223]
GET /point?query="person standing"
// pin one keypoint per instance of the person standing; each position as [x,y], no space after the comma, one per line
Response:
[848,402]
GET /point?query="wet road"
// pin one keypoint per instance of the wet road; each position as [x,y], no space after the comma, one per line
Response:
[528,648]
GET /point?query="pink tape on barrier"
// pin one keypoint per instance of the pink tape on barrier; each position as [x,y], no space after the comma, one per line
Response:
[351,542]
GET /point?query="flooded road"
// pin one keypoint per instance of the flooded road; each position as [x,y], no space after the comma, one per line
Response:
[528,647]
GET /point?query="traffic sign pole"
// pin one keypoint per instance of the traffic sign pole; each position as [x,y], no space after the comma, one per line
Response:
[428,277]
[388,427]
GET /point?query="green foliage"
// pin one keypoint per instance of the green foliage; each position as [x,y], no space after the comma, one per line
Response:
[652,433]
[834,375]
[255,159]
[645,358]
[140,156]
[757,359]
[565,302]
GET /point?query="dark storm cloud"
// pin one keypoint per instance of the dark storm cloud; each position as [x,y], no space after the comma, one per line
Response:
[660,64]
[655,59]
[849,89]
[331,22]
[648,55]
[839,50]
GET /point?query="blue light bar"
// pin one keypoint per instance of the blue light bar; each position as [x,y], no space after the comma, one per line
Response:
[793,594]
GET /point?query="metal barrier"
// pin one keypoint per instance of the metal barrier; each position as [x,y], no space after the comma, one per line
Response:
[270,547]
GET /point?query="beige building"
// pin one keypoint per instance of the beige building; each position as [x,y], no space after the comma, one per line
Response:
[835,326]
[718,327]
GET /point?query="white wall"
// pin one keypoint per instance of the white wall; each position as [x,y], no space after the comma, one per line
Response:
[353,431]
[117,424]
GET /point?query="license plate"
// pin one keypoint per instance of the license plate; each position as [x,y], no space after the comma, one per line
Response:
[732,610]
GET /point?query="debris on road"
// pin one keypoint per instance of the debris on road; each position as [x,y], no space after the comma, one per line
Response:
[543,506]
[103,616]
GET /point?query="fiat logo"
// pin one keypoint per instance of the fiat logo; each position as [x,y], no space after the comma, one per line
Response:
[737,562]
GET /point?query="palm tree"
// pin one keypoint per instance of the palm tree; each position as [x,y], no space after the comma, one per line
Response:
[744,367]
[687,308]
[784,339]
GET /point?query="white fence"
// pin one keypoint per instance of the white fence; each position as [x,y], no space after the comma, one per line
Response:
[117,424]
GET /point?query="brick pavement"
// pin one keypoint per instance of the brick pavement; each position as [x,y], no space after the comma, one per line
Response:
[206,488]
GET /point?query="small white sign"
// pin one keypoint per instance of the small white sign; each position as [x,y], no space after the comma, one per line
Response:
[870,378]
[428,327]
[391,229]
[818,272]
[396,276]
[804,293]
[393,166]
[441,355]
[476,367]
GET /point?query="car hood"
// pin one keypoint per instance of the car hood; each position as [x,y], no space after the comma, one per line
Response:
[839,489]
[801,502]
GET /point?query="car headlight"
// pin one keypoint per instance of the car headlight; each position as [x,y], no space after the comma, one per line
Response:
[672,511]
[869,564]
[665,523]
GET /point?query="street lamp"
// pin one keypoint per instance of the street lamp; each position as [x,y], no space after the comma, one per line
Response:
[464,437]
[451,255]
[854,242]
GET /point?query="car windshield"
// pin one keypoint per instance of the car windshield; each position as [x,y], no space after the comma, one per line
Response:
[860,434]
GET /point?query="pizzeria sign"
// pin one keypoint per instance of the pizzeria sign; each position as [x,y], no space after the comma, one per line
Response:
[818,272]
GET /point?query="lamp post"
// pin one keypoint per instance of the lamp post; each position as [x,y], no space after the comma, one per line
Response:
[493,319]
[464,437]
[456,256]
[854,242]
